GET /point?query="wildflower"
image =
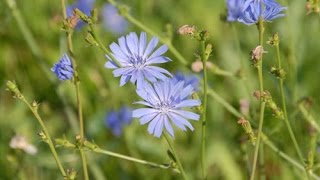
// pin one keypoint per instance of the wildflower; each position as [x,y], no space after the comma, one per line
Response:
[234,9]
[112,20]
[136,58]
[84,6]
[20,142]
[63,69]
[191,79]
[167,102]
[115,120]
[254,9]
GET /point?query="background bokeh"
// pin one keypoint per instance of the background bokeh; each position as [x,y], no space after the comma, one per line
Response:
[229,155]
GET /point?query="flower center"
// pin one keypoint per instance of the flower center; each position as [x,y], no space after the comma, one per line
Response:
[138,62]
[164,108]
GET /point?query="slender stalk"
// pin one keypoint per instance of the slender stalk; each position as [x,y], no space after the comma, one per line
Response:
[140,161]
[296,164]
[204,112]
[262,103]
[77,89]
[309,117]
[34,109]
[284,107]
[264,138]
[175,155]
[50,143]
[166,41]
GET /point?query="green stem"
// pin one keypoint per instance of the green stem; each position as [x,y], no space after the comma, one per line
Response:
[166,41]
[264,138]
[262,103]
[284,107]
[48,137]
[296,164]
[309,117]
[175,155]
[204,112]
[101,44]
[77,89]
[140,161]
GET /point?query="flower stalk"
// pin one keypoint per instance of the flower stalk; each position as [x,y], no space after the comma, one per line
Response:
[45,134]
[69,32]
[167,137]
[262,103]
[205,52]
[284,106]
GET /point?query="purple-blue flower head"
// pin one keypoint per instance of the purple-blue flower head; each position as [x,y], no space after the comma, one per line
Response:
[254,9]
[63,69]
[83,5]
[112,20]
[115,120]
[136,58]
[189,79]
[234,9]
[168,103]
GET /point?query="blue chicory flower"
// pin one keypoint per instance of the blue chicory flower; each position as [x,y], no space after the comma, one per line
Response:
[167,103]
[115,120]
[83,5]
[63,69]
[189,79]
[254,9]
[234,9]
[112,20]
[136,59]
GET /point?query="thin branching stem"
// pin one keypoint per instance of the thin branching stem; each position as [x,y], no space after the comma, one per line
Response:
[204,112]
[262,103]
[76,80]
[170,143]
[215,96]
[284,107]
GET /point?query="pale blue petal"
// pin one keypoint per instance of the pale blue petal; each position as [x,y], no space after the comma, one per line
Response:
[152,44]
[142,43]
[187,114]
[159,127]
[147,118]
[178,121]
[142,112]
[161,50]
[188,103]
[153,123]
[168,126]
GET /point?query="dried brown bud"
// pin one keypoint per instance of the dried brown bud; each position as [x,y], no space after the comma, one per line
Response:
[256,53]
[187,30]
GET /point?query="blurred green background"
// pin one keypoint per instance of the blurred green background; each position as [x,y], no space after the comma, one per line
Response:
[229,154]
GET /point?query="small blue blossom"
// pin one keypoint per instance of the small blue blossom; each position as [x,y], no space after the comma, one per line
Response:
[136,58]
[189,79]
[167,103]
[115,120]
[63,69]
[234,9]
[112,20]
[254,9]
[83,5]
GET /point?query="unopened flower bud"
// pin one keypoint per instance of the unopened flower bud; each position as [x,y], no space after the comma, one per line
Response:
[71,174]
[43,136]
[247,128]
[244,107]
